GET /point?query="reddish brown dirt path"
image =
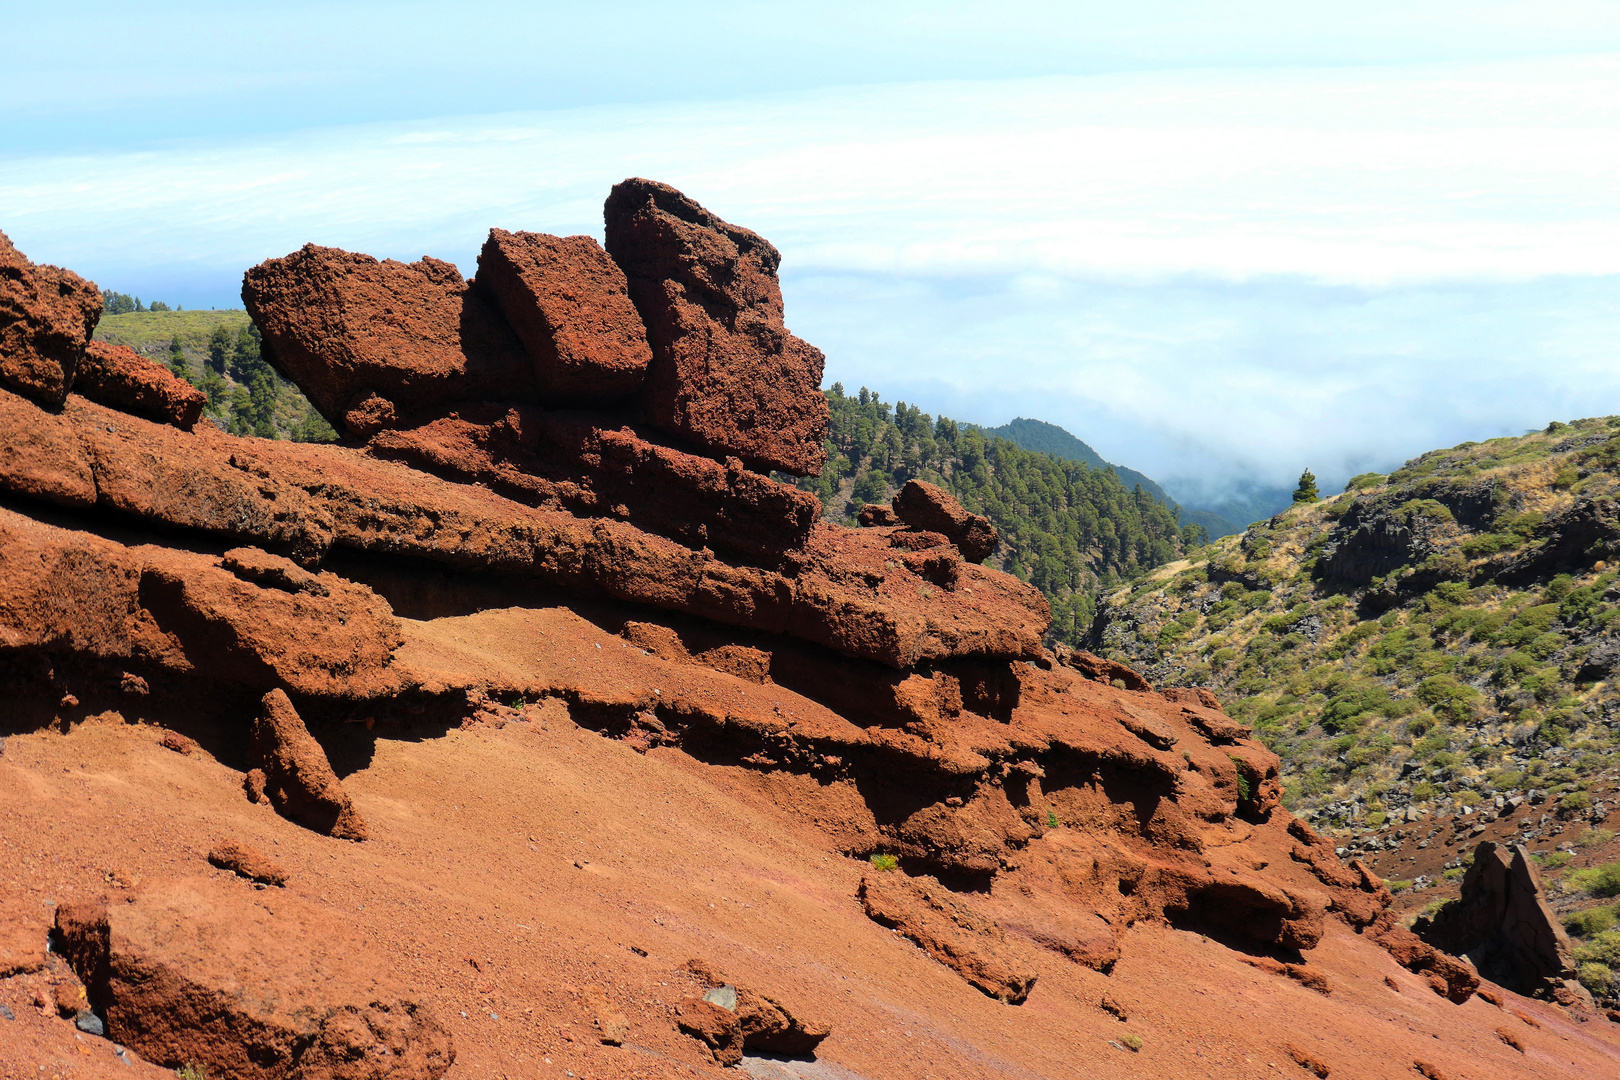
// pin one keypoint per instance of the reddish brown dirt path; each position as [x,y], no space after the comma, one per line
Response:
[514,871]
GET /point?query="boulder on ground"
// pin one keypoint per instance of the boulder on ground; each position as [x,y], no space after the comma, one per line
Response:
[46,316]
[730,1019]
[928,508]
[247,862]
[381,338]
[570,306]
[725,371]
[120,377]
[196,972]
[1501,920]
[297,776]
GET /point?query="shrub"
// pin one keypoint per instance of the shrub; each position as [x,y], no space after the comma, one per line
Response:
[1589,922]
[1598,880]
[1455,701]
[191,1071]
[1597,979]
[885,862]
[1594,836]
[1601,948]
[1398,886]
[1423,791]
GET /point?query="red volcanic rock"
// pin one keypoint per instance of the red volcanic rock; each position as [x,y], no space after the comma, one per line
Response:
[725,372]
[40,455]
[950,931]
[570,305]
[195,972]
[247,862]
[592,465]
[841,588]
[297,776]
[118,376]
[46,316]
[928,508]
[349,330]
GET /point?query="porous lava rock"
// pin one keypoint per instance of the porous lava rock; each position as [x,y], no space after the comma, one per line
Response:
[122,378]
[570,306]
[194,972]
[298,779]
[930,508]
[1503,923]
[47,315]
[731,1018]
[350,330]
[592,465]
[247,862]
[725,371]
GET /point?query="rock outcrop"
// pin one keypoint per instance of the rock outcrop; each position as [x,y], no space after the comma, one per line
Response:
[196,973]
[382,339]
[293,773]
[570,306]
[929,508]
[725,371]
[1502,922]
[46,316]
[120,377]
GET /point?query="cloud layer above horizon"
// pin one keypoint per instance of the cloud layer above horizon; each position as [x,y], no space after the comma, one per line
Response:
[1208,274]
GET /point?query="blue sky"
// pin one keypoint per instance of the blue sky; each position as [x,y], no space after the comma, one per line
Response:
[1216,241]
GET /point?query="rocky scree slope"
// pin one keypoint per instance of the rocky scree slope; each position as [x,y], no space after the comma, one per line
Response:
[1440,641]
[375,676]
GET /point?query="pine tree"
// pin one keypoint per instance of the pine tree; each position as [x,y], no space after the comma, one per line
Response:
[219,348]
[1306,492]
[177,357]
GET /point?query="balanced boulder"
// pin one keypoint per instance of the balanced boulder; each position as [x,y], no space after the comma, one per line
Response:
[295,774]
[570,306]
[380,339]
[928,508]
[122,378]
[46,316]
[725,371]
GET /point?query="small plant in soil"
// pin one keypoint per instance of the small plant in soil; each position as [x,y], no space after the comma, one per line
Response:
[885,862]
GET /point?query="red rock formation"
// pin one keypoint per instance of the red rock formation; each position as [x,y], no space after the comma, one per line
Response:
[297,777]
[725,371]
[592,466]
[247,862]
[46,316]
[351,330]
[122,378]
[195,973]
[570,305]
[929,508]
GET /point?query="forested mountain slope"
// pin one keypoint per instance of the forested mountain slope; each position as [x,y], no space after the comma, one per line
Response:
[1423,642]
[218,352]
[1065,527]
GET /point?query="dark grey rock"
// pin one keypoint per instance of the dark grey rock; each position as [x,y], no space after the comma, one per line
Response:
[5,1011]
[1502,922]
[89,1023]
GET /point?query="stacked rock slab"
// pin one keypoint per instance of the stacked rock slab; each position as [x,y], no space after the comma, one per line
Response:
[571,308]
[929,508]
[725,372]
[46,316]
[118,376]
[369,340]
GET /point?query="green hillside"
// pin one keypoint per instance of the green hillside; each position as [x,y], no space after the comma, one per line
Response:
[1425,641]
[1067,528]
[218,352]
[1044,438]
